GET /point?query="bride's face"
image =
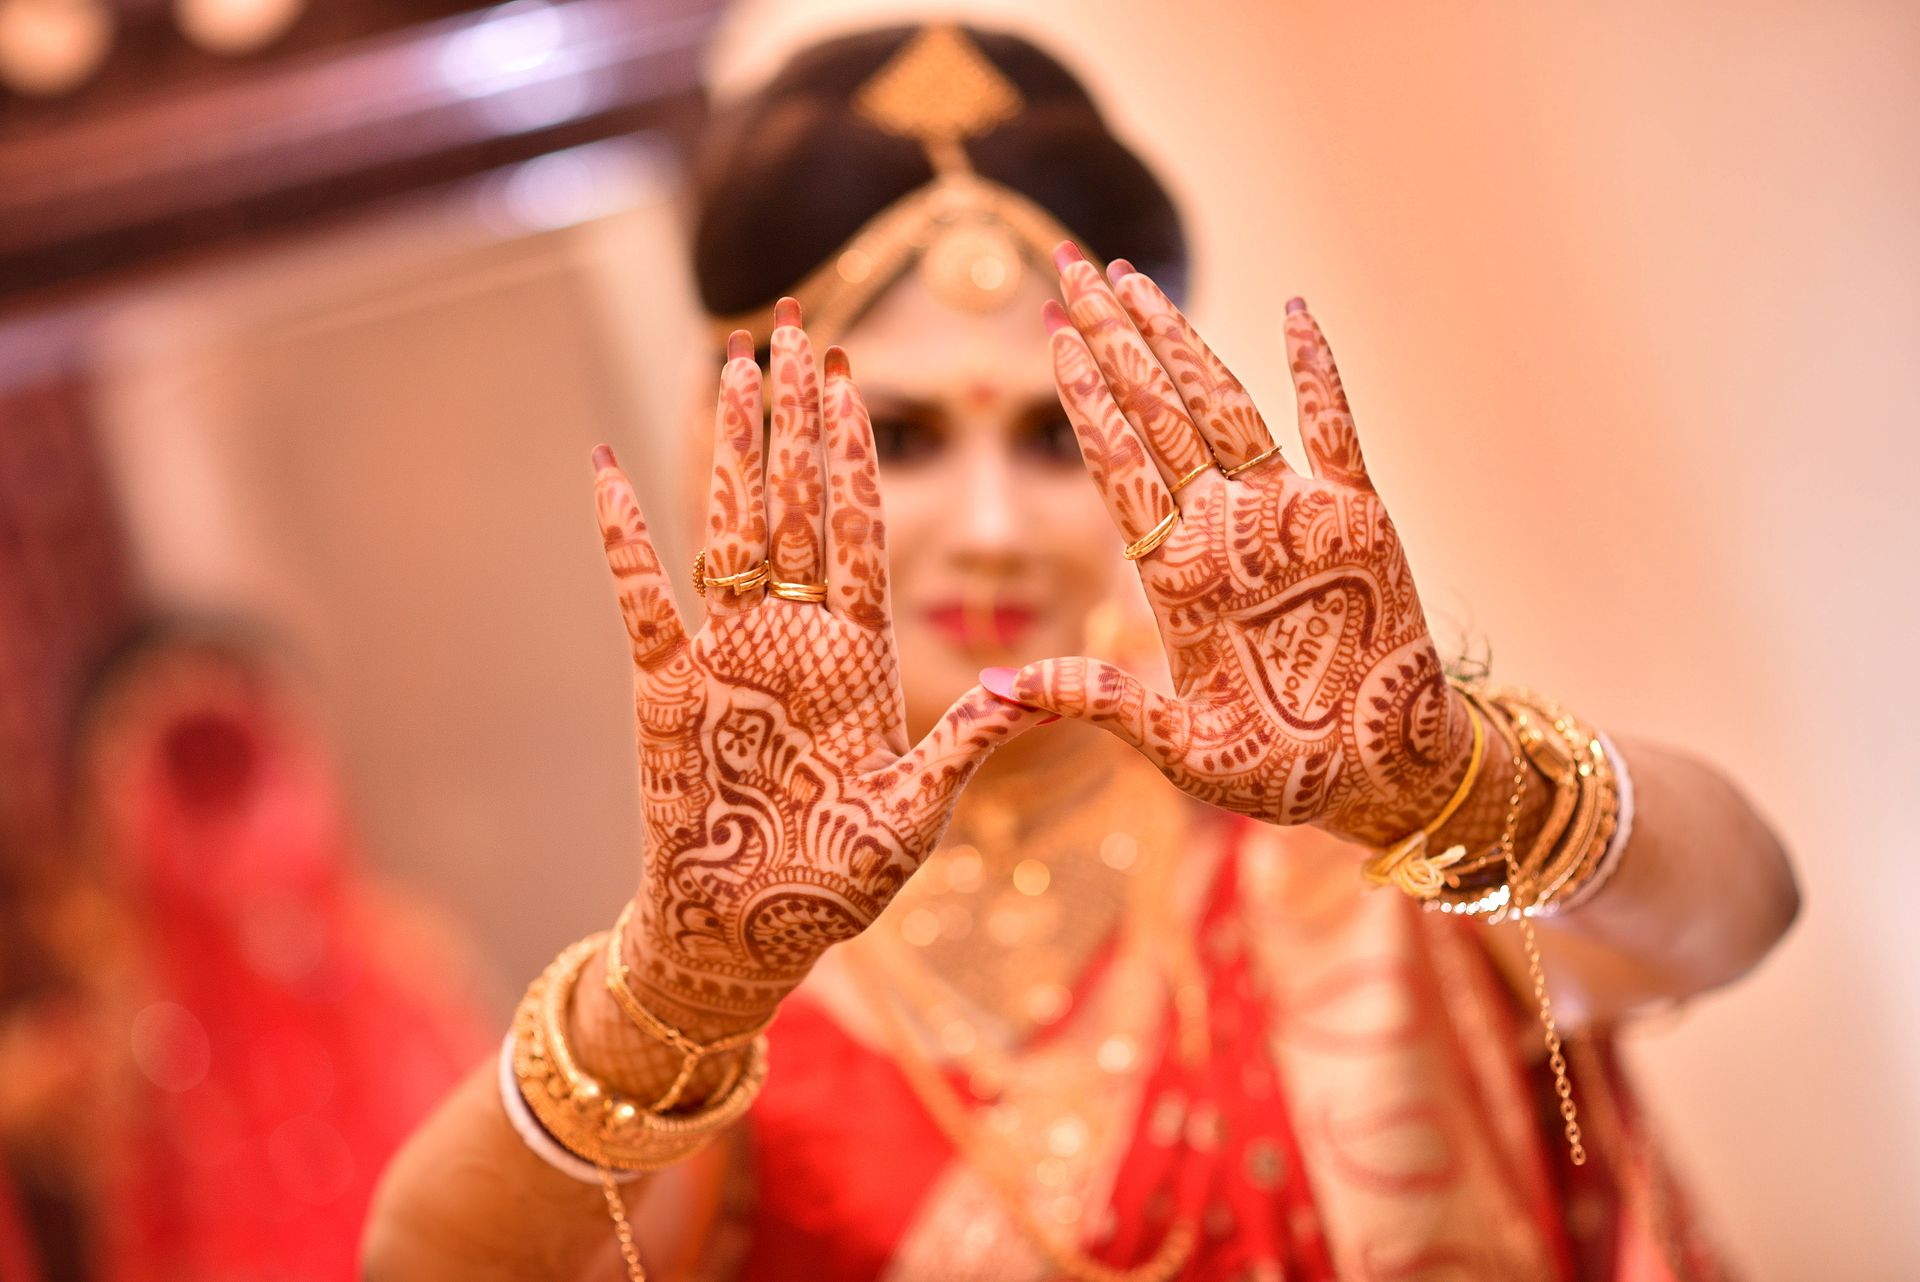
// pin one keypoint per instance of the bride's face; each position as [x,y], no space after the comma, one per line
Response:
[999,544]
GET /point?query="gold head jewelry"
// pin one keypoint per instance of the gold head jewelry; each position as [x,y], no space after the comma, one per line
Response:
[972,239]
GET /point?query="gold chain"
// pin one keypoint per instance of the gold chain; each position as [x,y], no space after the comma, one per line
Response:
[622,1229]
[1561,1085]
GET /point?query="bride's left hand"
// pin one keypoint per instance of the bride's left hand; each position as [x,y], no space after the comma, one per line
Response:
[1306,684]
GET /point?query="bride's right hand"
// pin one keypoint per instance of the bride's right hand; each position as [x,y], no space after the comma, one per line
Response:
[783,807]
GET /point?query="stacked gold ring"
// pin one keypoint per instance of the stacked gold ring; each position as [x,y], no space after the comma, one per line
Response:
[745,581]
[805,593]
[1152,538]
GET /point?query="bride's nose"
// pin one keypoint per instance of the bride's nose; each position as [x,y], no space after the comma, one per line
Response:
[985,504]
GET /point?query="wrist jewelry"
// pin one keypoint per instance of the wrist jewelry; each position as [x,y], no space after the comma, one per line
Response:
[592,1122]
[1406,862]
[691,1052]
[1556,1059]
[1564,863]
[535,1137]
[1578,845]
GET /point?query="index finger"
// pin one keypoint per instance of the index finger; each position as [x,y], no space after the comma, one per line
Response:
[646,598]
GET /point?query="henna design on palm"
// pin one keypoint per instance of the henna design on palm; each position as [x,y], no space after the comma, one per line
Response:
[1307,688]
[782,805]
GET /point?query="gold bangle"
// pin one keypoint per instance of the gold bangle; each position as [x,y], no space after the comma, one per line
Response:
[805,593]
[1194,475]
[745,581]
[1152,538]
[594,1123]
[1255,461]
[1406,863]
[1588,783]
[691,1052]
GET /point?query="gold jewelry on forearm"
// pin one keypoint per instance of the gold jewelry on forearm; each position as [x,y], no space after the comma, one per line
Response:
[1563,1087]
[805,593]
[1152,538]
[583,1115]
[1193,476]
[1255,461]
[1406,863]
[691,1052]
[1566,857]
[745,581]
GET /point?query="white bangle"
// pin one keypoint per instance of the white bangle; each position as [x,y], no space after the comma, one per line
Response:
[1622,828]
[534,1135]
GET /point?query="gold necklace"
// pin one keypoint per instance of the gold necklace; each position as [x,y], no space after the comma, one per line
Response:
[1152,943]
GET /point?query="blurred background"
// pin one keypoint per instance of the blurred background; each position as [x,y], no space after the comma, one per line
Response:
[310,311]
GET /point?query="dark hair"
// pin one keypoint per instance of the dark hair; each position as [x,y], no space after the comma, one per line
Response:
[787,176]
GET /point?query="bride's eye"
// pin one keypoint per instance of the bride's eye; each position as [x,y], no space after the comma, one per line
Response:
[904,438]
[1048,438]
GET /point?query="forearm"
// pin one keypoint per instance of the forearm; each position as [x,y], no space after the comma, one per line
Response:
[467,1198]
[1701,892]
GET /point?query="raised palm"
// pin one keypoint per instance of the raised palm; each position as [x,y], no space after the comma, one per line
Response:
[782,805]
[1306,683]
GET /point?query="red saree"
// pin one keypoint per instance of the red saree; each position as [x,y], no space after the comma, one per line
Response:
[1372,1107]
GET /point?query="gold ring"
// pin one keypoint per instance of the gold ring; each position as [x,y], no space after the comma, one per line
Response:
[1255,461]
[745,581]
[1152,538]
[806,593]
[1192,476]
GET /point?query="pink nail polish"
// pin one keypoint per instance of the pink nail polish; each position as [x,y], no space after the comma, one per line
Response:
[835,362]
[1296,305]
[998,682]
[1119,269]
[787,312]
[739,344]
[1066,254]
[603,458]
[1053,316]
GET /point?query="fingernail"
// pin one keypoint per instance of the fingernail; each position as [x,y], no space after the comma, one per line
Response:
[787,312]
[1119,269]
[603,457]
[1066,254]
[1054,315]
[835,362]
[1296,305]
[998,682]
[739,344]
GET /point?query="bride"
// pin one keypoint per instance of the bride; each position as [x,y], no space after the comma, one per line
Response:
[1251,984]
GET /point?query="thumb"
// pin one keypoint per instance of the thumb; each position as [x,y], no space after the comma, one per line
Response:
[1100,694]
[926,781]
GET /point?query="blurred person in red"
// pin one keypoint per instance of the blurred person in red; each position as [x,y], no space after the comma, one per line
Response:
[214,1030]
[1247,987]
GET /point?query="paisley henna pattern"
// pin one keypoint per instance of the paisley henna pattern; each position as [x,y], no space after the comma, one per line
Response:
[1308,689]
[782,806]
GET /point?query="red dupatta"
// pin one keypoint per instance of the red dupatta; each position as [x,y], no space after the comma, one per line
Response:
[1368,1110]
